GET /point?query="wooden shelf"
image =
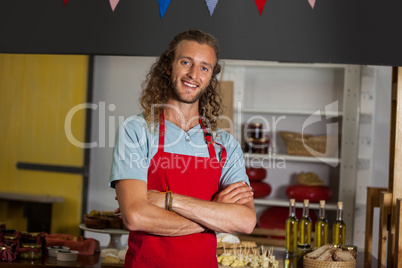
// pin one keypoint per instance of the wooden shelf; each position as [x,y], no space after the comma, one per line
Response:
[290,112]
[295,158]
[285,203]
[246,63]
[31,198]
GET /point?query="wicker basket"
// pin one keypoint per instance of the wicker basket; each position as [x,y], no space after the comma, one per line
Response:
[297,144]
[311,263]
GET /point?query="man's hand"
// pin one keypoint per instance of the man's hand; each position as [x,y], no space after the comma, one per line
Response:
[236,193]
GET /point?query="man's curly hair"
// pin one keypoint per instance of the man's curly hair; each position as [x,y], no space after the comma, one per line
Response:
[157,87]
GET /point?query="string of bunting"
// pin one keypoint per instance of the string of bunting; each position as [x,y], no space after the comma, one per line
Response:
[211,4]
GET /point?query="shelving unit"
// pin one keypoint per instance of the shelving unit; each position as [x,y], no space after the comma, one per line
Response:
[289,111]
[318,99]
[287,157]
[285,203]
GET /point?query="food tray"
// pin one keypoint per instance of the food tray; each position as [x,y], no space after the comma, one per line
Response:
[296,144]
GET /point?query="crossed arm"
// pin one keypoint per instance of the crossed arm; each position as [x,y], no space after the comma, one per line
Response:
[231,210]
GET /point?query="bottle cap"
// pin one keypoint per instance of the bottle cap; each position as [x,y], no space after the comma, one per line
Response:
[340,205]
[322,203]
[305,202]
[292,202]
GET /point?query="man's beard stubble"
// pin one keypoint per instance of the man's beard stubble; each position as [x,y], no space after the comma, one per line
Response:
[176,93]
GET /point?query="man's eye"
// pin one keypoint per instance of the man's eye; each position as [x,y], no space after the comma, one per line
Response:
[185,62]
[205,69]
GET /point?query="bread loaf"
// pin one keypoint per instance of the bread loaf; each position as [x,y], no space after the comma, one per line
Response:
[316,253]
[343,255]
[111,258]
[326,256]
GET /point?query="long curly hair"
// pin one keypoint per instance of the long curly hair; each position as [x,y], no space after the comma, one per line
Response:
[157,87]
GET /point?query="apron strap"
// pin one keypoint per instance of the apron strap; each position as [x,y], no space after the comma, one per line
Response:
[223,154]
[210,144]
[162,129]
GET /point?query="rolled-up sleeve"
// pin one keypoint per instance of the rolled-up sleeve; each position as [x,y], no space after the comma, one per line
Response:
[234,169]
[130,153]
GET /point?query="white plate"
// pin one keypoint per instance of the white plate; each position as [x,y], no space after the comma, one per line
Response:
[67,255]
[51,251]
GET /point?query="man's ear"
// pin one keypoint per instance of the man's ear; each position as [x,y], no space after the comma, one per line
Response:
[168,72]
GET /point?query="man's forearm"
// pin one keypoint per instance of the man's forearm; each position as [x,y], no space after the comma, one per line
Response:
[139,214]
[154,220]
[220,217]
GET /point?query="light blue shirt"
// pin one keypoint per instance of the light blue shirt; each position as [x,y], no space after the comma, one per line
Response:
[136,145]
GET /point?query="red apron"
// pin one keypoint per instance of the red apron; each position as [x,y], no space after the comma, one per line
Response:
[200,180]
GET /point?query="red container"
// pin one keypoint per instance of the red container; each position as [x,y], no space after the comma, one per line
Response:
[313,193]
[256,174]
[260,189]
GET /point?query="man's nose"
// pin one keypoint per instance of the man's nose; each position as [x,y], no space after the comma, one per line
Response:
[192,72]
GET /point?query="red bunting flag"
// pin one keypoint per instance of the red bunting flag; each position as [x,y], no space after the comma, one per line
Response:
[211,4]
[260,5]
[113,3]
[312,3]
[65,2]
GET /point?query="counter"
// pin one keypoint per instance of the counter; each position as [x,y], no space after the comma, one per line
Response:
[84,261]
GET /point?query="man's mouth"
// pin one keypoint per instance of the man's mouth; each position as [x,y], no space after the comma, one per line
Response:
[189,84]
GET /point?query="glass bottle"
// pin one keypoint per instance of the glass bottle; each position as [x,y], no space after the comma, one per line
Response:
[305,225]
[291,229]
[290,261]
[321,227]
[339,227]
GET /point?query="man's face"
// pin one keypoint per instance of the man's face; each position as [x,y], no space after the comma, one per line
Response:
[192,69]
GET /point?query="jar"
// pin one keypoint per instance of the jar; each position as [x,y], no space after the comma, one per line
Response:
[11,241]
[256,146]
[6,254]
[248,145]
[301,251]
[3,253]
[255,130]
[260,146]
[32,238]
[31,252]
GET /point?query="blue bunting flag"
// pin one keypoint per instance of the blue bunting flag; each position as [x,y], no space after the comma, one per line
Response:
[211,4]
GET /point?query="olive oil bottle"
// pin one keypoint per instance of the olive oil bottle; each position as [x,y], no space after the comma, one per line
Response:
[339,227]
[290,261]
[305,225]
[321,227]
[291,229]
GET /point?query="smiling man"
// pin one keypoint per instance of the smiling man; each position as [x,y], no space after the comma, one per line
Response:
[191,180]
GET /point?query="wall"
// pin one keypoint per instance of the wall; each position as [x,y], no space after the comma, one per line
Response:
[36,93]
[342,31]
[117,83]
